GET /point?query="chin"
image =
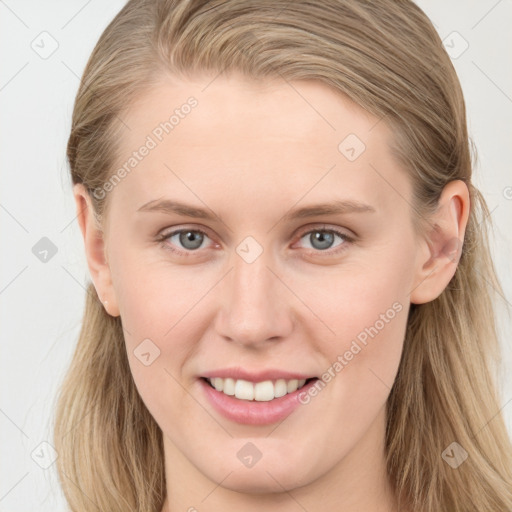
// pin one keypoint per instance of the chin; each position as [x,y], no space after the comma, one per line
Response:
[247,481]
[264,478]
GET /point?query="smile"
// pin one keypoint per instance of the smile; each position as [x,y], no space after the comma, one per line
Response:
[263,391]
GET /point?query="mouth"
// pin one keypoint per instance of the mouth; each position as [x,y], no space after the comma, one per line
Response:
[255,398]
[263,391]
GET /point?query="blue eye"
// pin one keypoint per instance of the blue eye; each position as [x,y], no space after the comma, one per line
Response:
[323,239]
[188,239]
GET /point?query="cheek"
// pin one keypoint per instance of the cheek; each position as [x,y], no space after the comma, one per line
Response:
[367,308]
[370,310]
[162,319]
[365,299]
[163,316]
[155,297]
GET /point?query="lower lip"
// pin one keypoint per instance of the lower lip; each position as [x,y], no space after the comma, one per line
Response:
[252,412]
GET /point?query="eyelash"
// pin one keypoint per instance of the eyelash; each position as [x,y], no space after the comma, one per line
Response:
[341,247]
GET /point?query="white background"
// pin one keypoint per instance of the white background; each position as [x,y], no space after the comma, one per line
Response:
[41,304]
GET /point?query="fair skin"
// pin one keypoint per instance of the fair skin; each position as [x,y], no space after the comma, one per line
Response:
[252,152]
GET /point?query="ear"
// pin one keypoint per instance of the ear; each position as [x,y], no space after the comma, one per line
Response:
[95,249]
[441,247]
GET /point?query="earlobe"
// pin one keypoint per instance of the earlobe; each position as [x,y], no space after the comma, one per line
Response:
[441,248]
[95,250]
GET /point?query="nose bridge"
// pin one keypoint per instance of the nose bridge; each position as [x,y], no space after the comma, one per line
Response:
[251,283]
[253,308]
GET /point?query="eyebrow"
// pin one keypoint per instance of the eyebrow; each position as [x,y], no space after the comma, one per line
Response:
[332,208]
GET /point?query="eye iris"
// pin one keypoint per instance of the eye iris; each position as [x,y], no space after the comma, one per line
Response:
[321,239]
[191,239]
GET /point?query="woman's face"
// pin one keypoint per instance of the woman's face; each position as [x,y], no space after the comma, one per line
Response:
[296,261]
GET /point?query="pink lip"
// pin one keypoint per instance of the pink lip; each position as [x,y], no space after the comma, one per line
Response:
[240,373]
[251,412]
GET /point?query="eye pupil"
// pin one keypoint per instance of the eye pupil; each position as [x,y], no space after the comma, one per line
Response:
[321,239]
[191,239]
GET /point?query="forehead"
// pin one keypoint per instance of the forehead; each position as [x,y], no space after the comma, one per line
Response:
[252,136]
[271,108]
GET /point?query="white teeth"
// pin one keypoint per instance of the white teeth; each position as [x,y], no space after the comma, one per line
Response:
[292,385]
[264,391]
[244,390]
[280,388]
[218,383]
[229,386]
[260,391]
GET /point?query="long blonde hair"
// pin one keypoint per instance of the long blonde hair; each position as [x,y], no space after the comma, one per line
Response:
[386,56]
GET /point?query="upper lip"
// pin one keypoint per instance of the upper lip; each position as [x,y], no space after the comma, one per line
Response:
[255,376]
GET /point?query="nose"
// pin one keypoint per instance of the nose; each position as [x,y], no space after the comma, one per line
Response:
[254,305]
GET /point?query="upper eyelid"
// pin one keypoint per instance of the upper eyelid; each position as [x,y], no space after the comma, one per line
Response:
[303,231]
[166,233]
[321,227]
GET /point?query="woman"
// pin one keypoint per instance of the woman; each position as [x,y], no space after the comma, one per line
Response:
[291,297]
